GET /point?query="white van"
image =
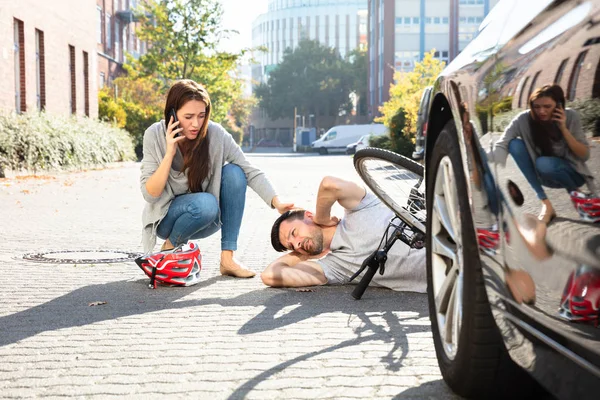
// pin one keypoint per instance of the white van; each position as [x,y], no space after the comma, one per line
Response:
[337,138]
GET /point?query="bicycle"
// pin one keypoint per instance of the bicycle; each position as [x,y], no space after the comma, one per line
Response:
[399,183]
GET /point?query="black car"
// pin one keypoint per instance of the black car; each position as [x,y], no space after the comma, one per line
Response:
[513,229]
[422,118]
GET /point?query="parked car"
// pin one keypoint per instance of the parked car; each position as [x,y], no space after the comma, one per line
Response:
[264,142]
[339,137]
[364,141]
[351,148]
[422,117]
[514,296]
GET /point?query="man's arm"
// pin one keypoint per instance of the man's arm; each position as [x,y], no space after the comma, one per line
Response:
[333,189]
[293,270]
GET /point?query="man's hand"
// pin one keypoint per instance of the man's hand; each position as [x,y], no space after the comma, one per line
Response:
[281,207]
[331,221]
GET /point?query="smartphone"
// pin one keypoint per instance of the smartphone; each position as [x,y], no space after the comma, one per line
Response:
[173,114]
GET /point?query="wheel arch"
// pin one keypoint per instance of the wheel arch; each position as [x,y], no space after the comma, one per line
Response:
[439,114]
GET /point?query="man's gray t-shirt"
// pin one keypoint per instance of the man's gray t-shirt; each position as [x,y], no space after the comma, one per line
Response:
[357,235]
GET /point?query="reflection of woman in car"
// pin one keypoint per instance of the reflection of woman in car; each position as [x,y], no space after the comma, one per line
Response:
[549,146]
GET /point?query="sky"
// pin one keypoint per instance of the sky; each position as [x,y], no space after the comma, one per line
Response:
[238,15]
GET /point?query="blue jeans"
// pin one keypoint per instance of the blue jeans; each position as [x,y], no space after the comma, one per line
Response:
[552,172]
[196,215]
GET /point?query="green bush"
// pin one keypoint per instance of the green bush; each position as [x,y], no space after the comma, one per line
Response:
[134,117]
[396,140]
[235,130]
[41,141]
[139,118]
[381,142]
[109,109]
[588,111]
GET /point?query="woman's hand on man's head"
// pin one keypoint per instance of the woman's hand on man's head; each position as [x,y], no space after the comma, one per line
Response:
[281,207]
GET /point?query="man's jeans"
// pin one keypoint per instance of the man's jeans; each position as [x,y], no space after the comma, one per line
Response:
[196,215]
[552,172]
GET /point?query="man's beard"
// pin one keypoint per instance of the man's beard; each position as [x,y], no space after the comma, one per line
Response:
[316,243]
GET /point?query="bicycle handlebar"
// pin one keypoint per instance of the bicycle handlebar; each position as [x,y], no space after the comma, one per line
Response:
[364,282]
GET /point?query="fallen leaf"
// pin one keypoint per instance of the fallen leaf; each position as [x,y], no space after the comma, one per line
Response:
[96,303]
[25,191]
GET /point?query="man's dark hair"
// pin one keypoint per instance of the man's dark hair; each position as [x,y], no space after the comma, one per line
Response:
[291,215]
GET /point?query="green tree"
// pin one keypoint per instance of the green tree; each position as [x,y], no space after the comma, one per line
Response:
[134,103]
[310,77]
[405,95]
[182,37]
[359,67]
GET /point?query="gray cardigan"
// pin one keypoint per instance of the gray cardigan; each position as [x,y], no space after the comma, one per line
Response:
[519,128]
[223,149]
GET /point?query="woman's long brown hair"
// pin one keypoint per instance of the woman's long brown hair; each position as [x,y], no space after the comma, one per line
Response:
[543,133]
[196,159]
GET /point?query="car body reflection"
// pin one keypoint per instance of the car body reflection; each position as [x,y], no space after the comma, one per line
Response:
[524,97]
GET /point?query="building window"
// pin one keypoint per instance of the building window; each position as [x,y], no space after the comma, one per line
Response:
[437,20]
[73,81]
[99,26]
[561,70]
[40,63]
[86,84]
[522,90]
[102,80]
[415,20]
[407,20]
[108,32]
[117,40]
[20,86]
[575,75]
[428,20]
[445,20]
[533,83]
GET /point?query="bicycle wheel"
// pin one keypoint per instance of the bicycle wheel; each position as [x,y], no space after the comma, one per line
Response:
[397,181]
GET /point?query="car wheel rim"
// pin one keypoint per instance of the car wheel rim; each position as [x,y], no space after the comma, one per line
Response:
[446,254]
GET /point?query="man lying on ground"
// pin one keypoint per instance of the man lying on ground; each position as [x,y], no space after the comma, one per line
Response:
[326,250]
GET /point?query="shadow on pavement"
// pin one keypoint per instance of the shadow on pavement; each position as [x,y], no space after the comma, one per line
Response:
[430,390]
[379,303]
[123,298]
[377,312]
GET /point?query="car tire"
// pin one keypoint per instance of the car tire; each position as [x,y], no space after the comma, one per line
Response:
[478,366]
[323,151]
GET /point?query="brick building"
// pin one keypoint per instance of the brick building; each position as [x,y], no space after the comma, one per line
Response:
[48,57]
[115,36]
[400,32]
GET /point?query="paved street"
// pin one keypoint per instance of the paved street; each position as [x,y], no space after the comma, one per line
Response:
[222,339]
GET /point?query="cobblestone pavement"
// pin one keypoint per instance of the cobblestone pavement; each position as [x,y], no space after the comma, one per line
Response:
[224,338]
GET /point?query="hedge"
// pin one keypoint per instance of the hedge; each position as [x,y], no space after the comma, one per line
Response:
[40,141]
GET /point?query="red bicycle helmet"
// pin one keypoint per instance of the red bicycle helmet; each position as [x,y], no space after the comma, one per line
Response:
[587,205]
[581,298]
[180,266]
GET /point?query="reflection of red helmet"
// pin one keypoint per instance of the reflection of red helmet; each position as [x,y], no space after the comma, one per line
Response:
[489,239]
[180,266]
[587,205]
[581,298]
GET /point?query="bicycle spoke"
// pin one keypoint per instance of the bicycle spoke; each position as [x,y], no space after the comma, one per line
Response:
[397,181]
